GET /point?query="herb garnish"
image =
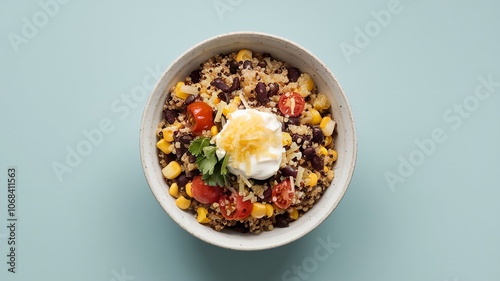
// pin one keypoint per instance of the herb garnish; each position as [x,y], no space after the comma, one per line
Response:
[213,170]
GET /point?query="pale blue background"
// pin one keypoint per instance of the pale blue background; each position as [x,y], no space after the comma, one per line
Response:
[442,223]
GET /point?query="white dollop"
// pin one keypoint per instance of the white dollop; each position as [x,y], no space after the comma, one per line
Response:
[261,166]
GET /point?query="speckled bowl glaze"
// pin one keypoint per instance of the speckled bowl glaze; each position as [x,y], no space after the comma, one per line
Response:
[284,50]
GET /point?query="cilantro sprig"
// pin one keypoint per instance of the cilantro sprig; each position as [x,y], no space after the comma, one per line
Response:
[213,170]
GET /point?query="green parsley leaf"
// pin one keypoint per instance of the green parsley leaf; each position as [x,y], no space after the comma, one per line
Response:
[224,163]
[196,147]
[209,151]
[213,170]
[206,164]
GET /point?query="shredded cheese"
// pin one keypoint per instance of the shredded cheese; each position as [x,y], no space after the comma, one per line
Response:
[292,184]
[244,101]
[300,173]
[241,186]
[220,107]
[247,135]
[245,180]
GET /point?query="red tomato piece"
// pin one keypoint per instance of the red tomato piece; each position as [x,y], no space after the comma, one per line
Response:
[291,104]
[205,193]
[200,116]
[283,194]
[234,208]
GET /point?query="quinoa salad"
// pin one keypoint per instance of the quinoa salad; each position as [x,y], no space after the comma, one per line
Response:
[246,142]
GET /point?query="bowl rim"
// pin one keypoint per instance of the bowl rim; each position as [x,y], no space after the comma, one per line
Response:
[249,246]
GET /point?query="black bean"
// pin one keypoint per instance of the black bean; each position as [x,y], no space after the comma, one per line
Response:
[182,180]
[235,86]
[288,171]
[186,139]
[169,157]
[299,139]
[240,227]
[223,96]
[268,194]
[171,115]
[317,163]
[260,89]
[294,121]
[220,84]
[318,135]
[309,152]
[273,89]
[233,66]
[293,74]
[247,64]
[191,174]
[195,75]
[189,100]
[180,151]
[192,158]
[282,221]
[262,64]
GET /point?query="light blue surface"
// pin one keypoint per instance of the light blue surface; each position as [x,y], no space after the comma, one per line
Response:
[101,222]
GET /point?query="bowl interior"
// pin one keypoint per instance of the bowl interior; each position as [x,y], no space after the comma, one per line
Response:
[283,50]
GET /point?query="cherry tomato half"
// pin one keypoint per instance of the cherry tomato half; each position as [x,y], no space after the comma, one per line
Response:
[283,194]
[205,193]
[291,104]
[200,116]
[234,208]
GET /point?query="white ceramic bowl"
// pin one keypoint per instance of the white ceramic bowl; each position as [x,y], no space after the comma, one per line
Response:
[284,50]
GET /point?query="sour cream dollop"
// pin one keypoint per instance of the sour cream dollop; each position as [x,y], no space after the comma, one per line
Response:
[253,140]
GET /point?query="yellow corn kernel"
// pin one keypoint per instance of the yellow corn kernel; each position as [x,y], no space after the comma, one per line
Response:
[325,169]
[313,179]
[294,214]
[172,170]
[244,55]
[236,100]
[323,151]
[316,117]
[177,125]
[321,102]
[258,210]
[327,140]
[334,154]
[178,90]
[269,210]
[309,82]
[182,90]
[182,202]
[174,190]
[214,130]
[305,81]
[216,100]
[201,216]
[168,133]
[165,146]
[229,109]
[286,139]
[327,125]
[189,191]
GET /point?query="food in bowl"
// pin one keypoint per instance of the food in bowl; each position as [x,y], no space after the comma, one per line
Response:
[246,142]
